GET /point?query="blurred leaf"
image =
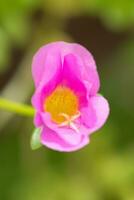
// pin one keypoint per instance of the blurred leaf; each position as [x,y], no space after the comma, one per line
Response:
[35,140]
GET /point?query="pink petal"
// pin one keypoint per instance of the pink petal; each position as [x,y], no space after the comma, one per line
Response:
[37,120]
[66,133]
[88,116]
[92,82]
[44,89]
[48,57]
[52,140]
[60,60]
[85,56]
[72,78]
[45,64]
[79,77]
[101,108]
[68,76]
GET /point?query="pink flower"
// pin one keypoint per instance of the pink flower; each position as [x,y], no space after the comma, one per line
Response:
[68,108]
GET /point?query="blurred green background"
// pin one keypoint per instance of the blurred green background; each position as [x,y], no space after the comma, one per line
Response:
[103,170]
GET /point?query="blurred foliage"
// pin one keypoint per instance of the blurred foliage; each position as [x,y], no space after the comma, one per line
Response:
[104,170]
[5,46]
[61,8]
[116,14]
[97,172]
[14,18]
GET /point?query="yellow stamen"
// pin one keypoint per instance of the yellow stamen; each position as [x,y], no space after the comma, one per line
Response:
[62,100]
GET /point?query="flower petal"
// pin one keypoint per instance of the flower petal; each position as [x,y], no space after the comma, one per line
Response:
[66,133]
[54,61]
[85,56]
[45,60]
[45,65]
[101,108]
[72,78]
[79,77]
[52,140]
[37,119]
[44,89]
[88,115]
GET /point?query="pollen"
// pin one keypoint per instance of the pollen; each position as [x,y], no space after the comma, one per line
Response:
[62,100]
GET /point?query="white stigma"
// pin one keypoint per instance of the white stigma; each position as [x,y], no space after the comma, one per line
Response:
[69,121]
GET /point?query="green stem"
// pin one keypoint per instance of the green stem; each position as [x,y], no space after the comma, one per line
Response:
[18,108]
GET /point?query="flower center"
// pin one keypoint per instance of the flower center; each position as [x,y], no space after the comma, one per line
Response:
[62,100]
